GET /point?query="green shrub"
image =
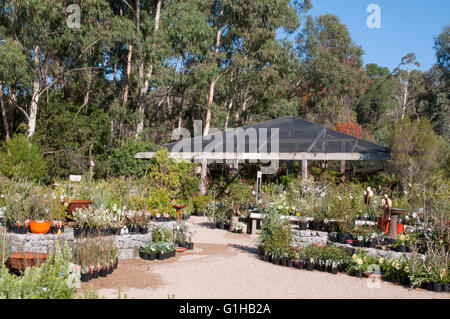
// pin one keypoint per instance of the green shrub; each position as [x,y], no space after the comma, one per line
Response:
[20,159]
[57,278]
[161,234]
[121,161]
[24,201]
[276,236]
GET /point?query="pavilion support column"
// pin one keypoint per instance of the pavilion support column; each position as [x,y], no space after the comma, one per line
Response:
[304,169]
[342,175]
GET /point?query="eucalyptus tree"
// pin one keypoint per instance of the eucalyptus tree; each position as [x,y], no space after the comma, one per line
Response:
[377,103]
[333,78]
[408,81]
[53,47]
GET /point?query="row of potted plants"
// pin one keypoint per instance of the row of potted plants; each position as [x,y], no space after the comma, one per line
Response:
[103,222]
[430,272]
[96,257]
[35,227]
[159,250]
[31,208]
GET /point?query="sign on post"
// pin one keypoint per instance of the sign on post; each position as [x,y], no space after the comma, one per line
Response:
[75,178]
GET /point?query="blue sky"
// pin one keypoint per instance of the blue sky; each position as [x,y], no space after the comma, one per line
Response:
[406,26]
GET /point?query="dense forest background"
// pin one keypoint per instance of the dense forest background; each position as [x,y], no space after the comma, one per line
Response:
[137,69]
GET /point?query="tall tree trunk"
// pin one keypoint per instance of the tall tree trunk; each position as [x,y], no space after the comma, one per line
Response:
[4,115]
[88,91]
[208,111]
[35,96]
[146,81]
[244,107]
[230,105]
[126,80]
[180,113]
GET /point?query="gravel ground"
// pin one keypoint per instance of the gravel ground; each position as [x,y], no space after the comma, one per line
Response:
[225,265]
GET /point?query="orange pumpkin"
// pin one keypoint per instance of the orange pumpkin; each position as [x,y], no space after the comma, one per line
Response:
[38,227]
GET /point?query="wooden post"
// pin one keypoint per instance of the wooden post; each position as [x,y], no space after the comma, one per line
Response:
[342,175]
[253,226]
[304,169]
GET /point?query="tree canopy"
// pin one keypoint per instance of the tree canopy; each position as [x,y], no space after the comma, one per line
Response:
[135,70]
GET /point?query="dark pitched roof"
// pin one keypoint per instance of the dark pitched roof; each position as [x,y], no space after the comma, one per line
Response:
[295,136]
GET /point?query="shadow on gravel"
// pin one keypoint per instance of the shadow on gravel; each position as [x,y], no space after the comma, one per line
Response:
[206,225]
[249,250]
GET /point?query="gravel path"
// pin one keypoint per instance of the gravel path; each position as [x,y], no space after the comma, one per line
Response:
[225,265]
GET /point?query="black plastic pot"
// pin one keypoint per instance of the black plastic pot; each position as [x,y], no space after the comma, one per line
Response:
[110,270]
[190,246]
[144,230]
[116,263]
[334,271]
[266,257]
[141,254]
[437,287]
[78,232]
[103,272]
[160,256]
[401,249]
[94,274]
[290,263]
[220,225]
[21,230]
[85,277]
[283,261]
[358,273]
[276,260]
[446,287]
[309,266]
[93,231]
[302,226]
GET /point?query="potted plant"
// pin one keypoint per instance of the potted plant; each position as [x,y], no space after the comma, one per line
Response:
[85,274]
[334,268]
[310,264]
[190,244]
[238,228]
[199,204]
[103,271]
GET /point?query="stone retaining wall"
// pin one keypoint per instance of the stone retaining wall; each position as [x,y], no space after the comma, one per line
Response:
[127,244]
[306,237]
[302,237]
[373,252]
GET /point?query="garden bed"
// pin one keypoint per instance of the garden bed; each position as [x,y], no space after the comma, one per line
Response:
[43,243]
